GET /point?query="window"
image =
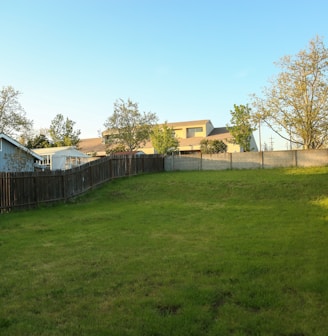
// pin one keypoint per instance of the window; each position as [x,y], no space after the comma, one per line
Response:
[0,145]
[191,132]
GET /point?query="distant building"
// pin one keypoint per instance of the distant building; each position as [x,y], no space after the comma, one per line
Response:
[94,147]
[14,157]
[61,158]
[189,133]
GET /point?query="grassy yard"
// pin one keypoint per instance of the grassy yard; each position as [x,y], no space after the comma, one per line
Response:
[185,253]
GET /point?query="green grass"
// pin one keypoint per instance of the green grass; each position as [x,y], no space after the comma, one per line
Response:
[185,253]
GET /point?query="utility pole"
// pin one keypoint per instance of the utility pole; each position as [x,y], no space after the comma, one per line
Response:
[271,143]
[260,140]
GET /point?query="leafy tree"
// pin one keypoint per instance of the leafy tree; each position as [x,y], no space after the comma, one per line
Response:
[116,149]
[241,126]
[219,146]
[205,147]
[212,146]
[127,127]
[12,115]
[295,106]
[39,141]
[163,139]
[62,132]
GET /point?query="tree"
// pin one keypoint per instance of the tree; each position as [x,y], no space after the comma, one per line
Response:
[241,126]
[12,116]
[212,146]
[295,106]
[62,132]
[163,139]
[39,141]
[116,149]
[127,127]
[219,146]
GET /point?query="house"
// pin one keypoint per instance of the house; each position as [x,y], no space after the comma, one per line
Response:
[14,157]
[61,158]
[190,134]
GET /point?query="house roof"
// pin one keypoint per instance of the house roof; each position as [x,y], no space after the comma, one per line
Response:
[65,150]
[188,123]
[219,133]
[92,145]
[20,146]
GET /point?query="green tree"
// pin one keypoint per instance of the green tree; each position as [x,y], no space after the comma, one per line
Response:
[295,105]
[127,127]
[62,132]
[205,147]
[116,149]
[163,139]
[219,146]
[241,126]
[212,146]
[12,116]
[39,141]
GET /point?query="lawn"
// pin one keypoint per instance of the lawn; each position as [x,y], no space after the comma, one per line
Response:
[183,253]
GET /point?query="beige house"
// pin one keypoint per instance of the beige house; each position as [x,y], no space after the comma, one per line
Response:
[94,147]
[189,133]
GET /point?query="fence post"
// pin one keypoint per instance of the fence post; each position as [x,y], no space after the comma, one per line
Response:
[36,189]
[63,185]
[110,168]
[90,175]
[295,158]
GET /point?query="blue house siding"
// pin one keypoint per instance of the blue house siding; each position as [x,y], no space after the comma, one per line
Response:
[15,157]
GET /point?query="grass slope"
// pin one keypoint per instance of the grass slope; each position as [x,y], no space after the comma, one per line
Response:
[185,253]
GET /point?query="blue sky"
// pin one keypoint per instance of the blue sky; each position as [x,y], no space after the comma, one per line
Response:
[182,59]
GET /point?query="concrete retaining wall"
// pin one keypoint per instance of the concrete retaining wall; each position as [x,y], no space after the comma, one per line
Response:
[248,160]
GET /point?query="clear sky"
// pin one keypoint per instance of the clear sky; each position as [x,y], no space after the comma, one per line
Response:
[181,59]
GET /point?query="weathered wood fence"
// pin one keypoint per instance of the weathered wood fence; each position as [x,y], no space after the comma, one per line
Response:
[27,190]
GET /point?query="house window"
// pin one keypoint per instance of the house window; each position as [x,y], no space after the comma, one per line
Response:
[191,132]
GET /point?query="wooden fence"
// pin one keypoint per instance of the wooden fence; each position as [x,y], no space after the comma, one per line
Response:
[28,190]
